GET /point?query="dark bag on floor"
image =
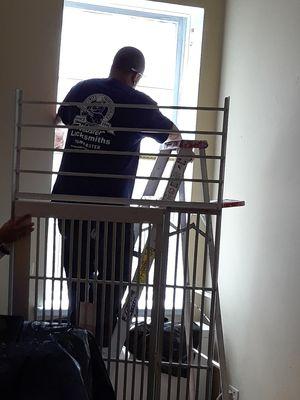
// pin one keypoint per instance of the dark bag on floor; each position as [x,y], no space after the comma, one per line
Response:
[174,345]
[53,362]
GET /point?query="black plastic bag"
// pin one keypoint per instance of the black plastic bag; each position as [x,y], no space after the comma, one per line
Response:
[53,362]
[173,348]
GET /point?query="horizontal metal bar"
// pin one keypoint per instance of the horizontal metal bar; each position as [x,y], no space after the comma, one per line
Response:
[118,105]
[112,153]
[113,176]
[114,282]
[189,207]
[110,213]
[162,363]
[182,365]
[200,293]
[125,361]
[118,129]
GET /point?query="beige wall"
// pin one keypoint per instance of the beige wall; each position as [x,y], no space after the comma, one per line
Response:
[209,83]
[260,275]
[211,54]
[29,42]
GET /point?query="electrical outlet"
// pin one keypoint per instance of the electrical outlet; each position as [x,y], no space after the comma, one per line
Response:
[234,393]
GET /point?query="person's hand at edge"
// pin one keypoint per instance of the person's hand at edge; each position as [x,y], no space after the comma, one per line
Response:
[15,229]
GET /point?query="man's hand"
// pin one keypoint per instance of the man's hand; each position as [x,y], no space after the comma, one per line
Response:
[174,136]
[14,229]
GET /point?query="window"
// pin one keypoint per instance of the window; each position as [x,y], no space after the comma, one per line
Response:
[170,37]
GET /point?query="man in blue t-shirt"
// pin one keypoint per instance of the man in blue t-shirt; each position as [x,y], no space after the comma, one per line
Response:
[126,71]
[100,98]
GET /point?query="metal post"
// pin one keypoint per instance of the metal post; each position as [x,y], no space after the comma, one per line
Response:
[214,251]
[15,182]
[157,314]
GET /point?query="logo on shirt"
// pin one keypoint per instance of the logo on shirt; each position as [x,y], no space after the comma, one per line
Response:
[96,112]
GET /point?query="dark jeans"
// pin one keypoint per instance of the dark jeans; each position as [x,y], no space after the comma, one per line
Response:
[102,251]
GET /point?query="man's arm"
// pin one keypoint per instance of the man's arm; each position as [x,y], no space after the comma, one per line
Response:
[154,119]
[66,114]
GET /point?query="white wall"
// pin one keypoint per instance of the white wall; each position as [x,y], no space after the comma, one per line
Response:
[29,42]
[260,274]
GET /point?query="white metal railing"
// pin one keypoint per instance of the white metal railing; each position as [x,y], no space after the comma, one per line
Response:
[194,253]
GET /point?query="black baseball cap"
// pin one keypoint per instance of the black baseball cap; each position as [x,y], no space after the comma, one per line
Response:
[129,59]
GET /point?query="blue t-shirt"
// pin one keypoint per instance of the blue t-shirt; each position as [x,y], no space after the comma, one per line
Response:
[108,92]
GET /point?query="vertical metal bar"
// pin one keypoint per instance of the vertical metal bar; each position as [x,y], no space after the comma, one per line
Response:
[212,322]
[53,270]
[96,272]
[61,268]
[187,294]
[154,363]
[223,149]
[174,308]
[70,267]
[215,265]
[86,318]
[212,249]
[136,315]
[127,328]
[103,284]
[21,287]
[37,264]
[15,182]
[218,317]
[158,308]
[112,292]
[87,262]
[190,391]
[162,296]
[145,316]
[209,232]
[201,320]
[182,323]
[16,146]
[121,288]
[78,277]
[45,268]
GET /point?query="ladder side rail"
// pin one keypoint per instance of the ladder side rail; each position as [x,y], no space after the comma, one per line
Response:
[152,185]
[157,171]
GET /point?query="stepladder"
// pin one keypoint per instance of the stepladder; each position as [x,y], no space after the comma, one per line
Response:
[184,150]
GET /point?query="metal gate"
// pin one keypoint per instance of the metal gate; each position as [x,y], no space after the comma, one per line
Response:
[80,266]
